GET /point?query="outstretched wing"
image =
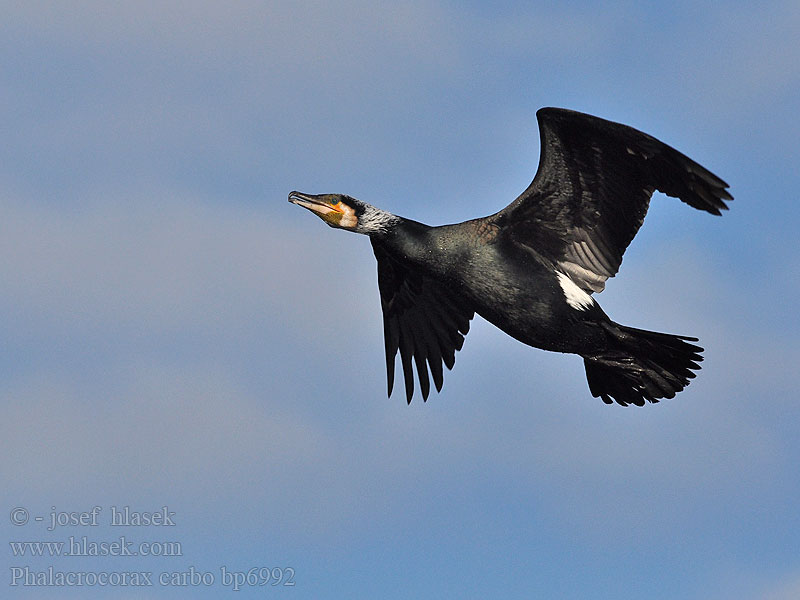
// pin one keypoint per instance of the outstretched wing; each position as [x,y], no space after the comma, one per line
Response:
[423,319]
[592,190]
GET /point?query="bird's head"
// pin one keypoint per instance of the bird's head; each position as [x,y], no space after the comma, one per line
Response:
[344,212]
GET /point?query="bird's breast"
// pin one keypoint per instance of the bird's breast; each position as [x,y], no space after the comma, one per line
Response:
[516,293]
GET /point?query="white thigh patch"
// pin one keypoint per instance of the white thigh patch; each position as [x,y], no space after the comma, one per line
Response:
[575,296]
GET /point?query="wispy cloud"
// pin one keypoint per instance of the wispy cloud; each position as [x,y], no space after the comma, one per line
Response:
[137,262]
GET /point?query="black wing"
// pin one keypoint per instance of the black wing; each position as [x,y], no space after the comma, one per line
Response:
[421,318]
[592,190]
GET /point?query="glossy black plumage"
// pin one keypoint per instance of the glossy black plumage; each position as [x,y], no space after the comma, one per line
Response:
[531,267]
[592,190]
[422,319]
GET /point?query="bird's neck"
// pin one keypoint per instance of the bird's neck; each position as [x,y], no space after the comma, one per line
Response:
[376,222]
[406,239]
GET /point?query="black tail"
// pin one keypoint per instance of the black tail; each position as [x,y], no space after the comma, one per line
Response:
[642,365]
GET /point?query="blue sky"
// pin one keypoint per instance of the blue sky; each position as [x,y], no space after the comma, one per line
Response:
[176,334]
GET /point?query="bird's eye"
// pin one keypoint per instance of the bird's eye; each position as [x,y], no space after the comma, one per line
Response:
[335,201]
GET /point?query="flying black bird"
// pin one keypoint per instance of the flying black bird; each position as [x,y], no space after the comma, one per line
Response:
[531,268]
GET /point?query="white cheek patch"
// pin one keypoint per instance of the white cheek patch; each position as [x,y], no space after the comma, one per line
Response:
[349,219]
[341,216]
[575,296]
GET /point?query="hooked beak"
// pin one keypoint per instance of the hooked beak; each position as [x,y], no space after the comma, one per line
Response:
[317,204]
[327,207]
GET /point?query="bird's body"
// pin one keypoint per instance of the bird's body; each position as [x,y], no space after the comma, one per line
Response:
[531,268]
[510,286]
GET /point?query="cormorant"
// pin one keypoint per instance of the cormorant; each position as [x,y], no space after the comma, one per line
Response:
[531,268]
